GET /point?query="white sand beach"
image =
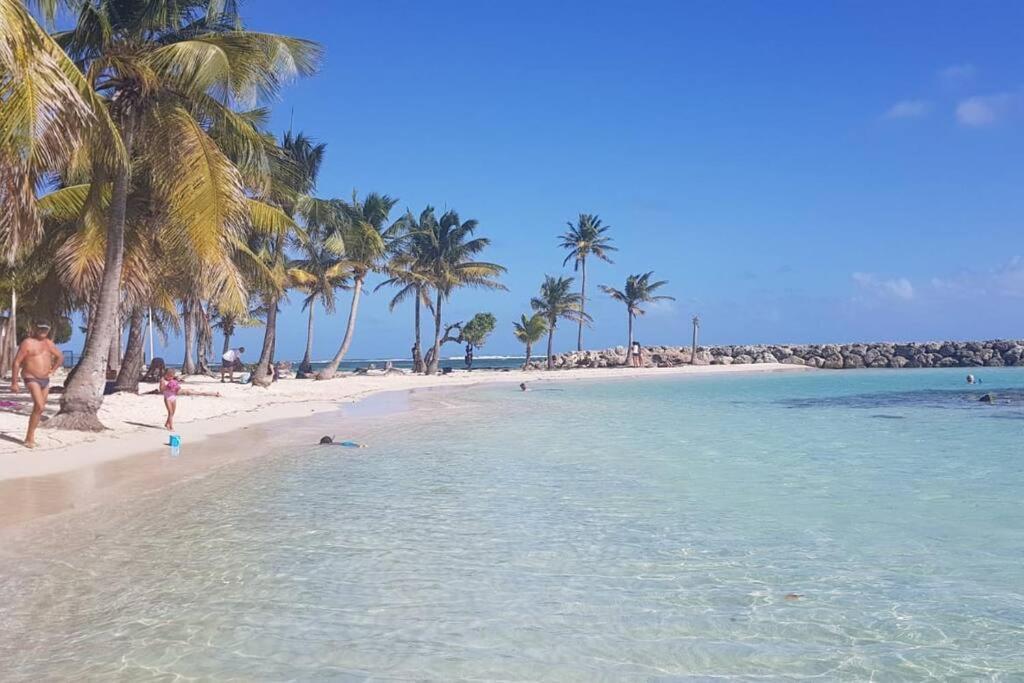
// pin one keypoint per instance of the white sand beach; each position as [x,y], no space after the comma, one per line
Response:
[135,422]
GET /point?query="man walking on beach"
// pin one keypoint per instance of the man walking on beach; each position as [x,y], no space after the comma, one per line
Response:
[36,360]
[231,361]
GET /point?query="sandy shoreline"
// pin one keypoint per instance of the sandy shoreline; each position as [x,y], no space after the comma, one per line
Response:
[72,469]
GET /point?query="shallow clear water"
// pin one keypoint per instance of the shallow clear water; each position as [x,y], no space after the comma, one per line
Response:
[594,531]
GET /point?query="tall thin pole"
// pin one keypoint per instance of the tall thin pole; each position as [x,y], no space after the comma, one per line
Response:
[14,323]
[693,347]
[151,335]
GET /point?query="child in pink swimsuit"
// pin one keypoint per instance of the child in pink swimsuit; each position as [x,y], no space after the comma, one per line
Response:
[169,387]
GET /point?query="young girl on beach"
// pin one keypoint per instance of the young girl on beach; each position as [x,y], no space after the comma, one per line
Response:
[169,387]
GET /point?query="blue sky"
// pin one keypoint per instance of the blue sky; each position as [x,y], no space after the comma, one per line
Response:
[799,172]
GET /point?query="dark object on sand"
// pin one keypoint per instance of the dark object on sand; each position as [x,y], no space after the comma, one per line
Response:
[988,398]
[155,371]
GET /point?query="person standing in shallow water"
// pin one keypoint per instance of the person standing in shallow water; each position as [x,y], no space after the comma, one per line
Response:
[37,359]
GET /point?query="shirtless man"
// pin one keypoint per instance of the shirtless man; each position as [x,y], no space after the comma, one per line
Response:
[36,360]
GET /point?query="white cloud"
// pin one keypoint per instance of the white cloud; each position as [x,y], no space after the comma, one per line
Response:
[985,110]
[1006,280]
[908,109]
[895,288]
[957,74]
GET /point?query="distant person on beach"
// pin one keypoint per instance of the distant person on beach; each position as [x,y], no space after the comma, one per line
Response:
[169,388]
[637,355]
[469,356]
[522,386]
[231,362]
[37,359]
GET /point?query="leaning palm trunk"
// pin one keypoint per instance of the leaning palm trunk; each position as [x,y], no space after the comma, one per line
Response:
[131,365]
[83,393]
[228,332]
[306,366]
[435,353]
[583,302]
[263,375]
[526,364]
[332,368]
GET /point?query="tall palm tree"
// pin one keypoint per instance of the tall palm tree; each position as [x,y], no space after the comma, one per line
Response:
[557,302]
[639,290]
[296,178]
[171,72]
[362,235]
[318,274]
[586,238]
[529,331]
[449,247]
[409,272]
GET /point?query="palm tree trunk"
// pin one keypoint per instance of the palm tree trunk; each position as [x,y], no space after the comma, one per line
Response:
[417,353]
[83,393]
[629,352]
[227,340]
[551,345]
[205,336]
[435,354]
[332,368]
[526,364]
[583,302]
[188,313]
[262,376]
[306,366]
[131,365]
[114,354]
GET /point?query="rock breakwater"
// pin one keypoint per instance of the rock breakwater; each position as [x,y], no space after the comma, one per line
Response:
[947,354]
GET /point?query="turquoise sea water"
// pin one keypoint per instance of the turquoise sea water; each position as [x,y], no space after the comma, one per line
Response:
[854,525]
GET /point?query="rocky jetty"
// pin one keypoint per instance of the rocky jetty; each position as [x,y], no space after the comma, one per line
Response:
[948,354]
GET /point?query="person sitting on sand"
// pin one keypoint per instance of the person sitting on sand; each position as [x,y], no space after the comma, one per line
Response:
[37,359]
[231,362]
[329,441]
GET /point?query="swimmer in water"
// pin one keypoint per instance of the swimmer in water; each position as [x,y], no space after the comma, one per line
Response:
[522,386]
[970,379]
[328,441]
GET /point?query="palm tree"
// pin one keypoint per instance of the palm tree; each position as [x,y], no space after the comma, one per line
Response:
[529,331]
[586,238]
[639,290]
[408,270]
[363,235]
[48,113]
[448,249]
[318,275]
[171,74]
[557,302]
[296,178]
